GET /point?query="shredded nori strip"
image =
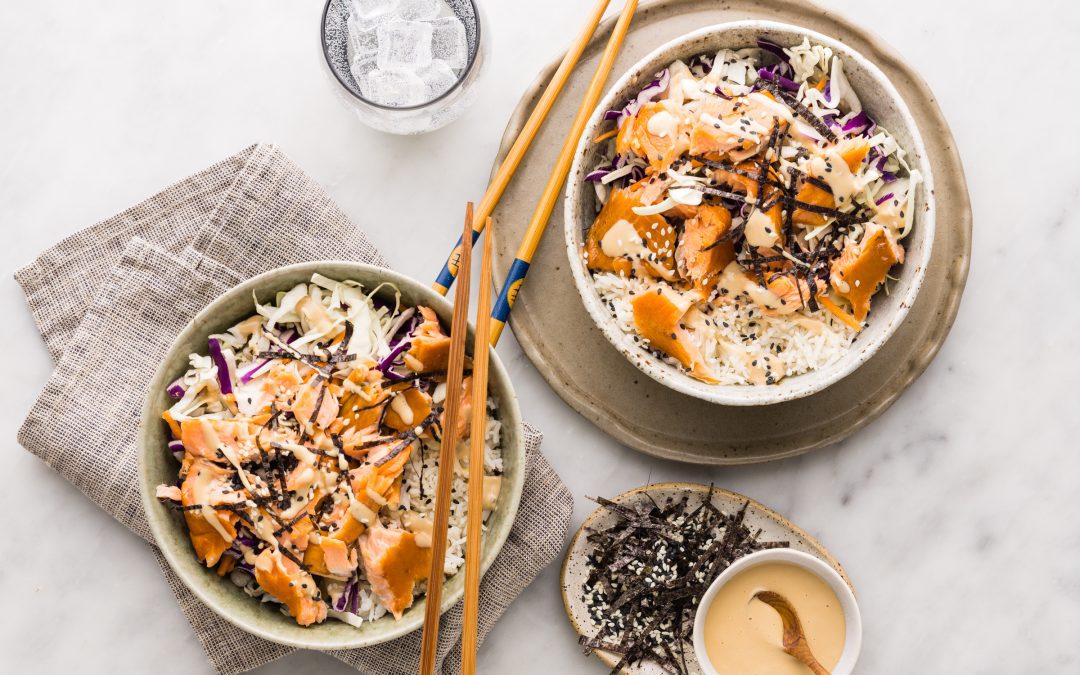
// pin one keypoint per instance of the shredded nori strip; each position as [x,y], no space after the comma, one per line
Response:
[799,109]
[649,570]
[407,440]
[318,401]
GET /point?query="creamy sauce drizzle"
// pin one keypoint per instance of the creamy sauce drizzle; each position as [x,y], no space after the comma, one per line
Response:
[744,635]
[760,230]
[622,240]
[663,124]
[400,405]
[834,170]
[734,279]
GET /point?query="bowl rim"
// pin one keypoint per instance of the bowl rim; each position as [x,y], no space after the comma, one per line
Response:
[510,414]
[848,603]
[796,386]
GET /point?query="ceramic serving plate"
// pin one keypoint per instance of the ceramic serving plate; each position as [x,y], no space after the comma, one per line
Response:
[881,101]
[576,568]
[157,465]
[551,324]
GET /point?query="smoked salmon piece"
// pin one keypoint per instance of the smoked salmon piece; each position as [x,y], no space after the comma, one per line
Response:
[362,404]
[465,414]
[852,152]
[653,232]
[204,437]
[700,258]
[745,180]
[654,133]
[415,404]
[283,579]
[394,563]
[862,267]
[379,482]
[315,392]
[430,348]
[793,295]
[737,128]
[211,531]
[330,557]
[658,315]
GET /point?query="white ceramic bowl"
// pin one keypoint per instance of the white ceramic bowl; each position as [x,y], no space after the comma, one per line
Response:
[881,100]
[852,618]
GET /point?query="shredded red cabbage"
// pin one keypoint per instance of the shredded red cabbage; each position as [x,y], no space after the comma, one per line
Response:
[773,48]
[248,373]
[858,124]
[175,390]
[177,449]
[222,366]
[649,93]
[700,65]
[770,75]
[720,92]
[388,362]
[884,199]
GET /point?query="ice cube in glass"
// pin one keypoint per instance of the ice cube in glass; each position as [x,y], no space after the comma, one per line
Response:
[448,41]
[360,40]
[395,87]
[438,78]
[418,10]
[404,44]
[368,13]
[361,66]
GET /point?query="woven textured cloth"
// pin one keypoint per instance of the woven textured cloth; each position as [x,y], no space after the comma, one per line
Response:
[108,302]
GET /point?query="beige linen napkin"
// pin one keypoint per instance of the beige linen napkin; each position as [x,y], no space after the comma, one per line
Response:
[109,300]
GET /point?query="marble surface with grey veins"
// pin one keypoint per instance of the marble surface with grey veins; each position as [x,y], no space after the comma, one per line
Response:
[954,513]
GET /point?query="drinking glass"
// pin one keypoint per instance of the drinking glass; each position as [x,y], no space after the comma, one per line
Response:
[411,119]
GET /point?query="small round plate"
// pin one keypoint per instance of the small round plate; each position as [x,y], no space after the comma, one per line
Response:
[565,345]
[575,568]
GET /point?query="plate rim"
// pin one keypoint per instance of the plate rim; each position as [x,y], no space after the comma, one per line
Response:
[955,266]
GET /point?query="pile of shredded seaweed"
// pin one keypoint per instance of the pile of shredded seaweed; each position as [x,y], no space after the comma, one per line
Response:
[649,570]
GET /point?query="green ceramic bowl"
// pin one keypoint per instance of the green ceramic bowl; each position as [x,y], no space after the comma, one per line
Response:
[157,465]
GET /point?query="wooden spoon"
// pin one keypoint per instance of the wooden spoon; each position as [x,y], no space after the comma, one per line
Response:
[794,639]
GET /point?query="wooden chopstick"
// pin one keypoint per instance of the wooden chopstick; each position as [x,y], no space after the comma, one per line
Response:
[521,145]
[476,464]
[520,267]
[450,436]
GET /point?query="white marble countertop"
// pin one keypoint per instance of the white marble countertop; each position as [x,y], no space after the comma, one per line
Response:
[954,512]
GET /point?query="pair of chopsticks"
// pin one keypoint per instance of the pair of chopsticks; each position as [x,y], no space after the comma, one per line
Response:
[459,265]
[521,145]
[520,267]
[451,435]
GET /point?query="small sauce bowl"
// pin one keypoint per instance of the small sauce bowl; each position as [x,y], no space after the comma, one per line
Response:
[821,569]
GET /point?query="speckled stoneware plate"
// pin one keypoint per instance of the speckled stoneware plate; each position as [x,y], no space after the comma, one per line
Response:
[884,104]
[565,345]
[575,568]
[156,465]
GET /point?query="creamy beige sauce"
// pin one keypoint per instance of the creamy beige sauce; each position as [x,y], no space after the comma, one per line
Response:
[744,636]
[622,240]
[734,279]
[834,170]
[400,405]
[663,124]
[760,230]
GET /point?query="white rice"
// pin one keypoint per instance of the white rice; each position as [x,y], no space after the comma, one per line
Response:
[739,343]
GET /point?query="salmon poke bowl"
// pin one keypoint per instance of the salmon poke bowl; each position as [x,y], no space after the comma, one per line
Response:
[750,213]
[288,455]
